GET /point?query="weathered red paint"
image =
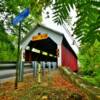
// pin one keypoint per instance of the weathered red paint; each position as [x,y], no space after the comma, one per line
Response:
[28,55]
[68,59]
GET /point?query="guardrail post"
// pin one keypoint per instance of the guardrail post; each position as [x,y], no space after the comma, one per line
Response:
[34,66]
[43,67]
[39,72]
[54,65]
[49,66]
[21,71]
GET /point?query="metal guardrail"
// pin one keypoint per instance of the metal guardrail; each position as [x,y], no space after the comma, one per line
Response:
[11,76]
[10,65]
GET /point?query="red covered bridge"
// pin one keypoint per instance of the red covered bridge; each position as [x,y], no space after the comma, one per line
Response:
[45,44]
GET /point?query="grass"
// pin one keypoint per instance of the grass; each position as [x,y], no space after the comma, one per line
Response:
[94,81]
[39,92]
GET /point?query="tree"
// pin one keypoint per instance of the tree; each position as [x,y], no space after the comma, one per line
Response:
[88,24]
[10,8]
[7,48]
[90,59]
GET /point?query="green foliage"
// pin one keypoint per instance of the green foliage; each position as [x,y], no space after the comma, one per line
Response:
[7,55]
[92,81]
[7,49]
[88,13]
[89,58]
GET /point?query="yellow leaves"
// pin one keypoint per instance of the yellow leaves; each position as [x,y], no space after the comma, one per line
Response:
[44,97]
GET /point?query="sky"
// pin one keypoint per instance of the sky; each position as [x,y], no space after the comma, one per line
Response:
[49,23]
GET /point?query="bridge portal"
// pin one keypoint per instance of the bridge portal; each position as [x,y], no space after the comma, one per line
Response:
[47,45]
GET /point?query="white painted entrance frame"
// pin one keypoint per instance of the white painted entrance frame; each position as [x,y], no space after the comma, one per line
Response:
[55,36]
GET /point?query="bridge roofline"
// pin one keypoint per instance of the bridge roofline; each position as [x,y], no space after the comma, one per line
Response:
[45,27]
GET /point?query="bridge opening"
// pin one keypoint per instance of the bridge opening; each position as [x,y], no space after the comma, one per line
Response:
[41,50]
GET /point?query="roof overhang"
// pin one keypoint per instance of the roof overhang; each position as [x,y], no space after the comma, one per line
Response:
[56,36]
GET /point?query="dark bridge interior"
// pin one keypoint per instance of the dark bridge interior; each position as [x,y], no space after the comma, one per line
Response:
[41,50]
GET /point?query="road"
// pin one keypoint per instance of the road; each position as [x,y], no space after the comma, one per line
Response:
[10,73]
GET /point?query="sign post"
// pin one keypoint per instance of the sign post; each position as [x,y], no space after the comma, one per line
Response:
[18,56]
[18,19]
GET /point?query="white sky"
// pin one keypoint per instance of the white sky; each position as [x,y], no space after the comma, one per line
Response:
[49,23]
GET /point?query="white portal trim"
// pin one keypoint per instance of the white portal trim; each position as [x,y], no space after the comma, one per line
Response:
[59,59]
[56,37]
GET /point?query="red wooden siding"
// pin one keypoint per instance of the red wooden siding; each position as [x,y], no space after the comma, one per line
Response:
[68,59]
[28,55]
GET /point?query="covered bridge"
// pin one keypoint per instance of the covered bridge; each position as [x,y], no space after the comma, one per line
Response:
[45,44]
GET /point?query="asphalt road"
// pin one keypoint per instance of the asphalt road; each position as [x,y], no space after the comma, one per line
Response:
[10,73]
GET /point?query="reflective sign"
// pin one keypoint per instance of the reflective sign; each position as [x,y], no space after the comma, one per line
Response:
[39,37]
